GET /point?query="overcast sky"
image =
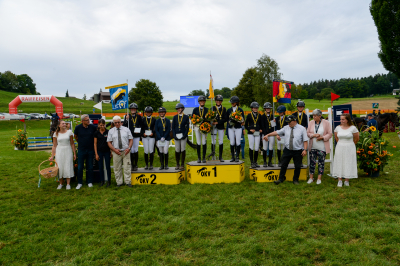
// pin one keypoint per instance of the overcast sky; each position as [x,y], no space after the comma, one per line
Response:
[86,45]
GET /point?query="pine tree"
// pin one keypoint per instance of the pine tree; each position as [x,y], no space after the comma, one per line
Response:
[66,94]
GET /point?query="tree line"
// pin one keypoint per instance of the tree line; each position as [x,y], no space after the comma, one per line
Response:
[17,83]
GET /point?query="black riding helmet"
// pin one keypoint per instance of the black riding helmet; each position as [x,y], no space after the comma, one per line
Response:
[301,104]
[254,105]
[148,109]
[267,105]
[281,109]
[179,105]
[162,109]
[234,99]
[219,98]
[133,106]
[201,98]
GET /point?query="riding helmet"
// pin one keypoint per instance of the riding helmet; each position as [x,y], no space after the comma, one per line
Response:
[254,105]
[234,99]
[162,109]
[219,98]
[133,106]
[179,105]
[267,105]
[148,109]
[301,104]
[281,109]
[201,98]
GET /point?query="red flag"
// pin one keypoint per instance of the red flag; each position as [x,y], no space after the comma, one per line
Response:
[334,97]
[22,120]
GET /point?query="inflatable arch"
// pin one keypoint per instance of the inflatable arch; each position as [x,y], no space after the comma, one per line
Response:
[13,105]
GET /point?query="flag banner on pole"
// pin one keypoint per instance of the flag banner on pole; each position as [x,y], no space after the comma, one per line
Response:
[334,97]
[211,88]
[281,91]
[119,96]
[98,106]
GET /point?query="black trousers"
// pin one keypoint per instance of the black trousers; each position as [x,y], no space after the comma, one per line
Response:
[285,159]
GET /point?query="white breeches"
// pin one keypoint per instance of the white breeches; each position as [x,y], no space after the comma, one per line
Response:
[180,145]
[269,145]
[254,142]
[235,134]
[201,139]
[148,145]
[163,149]
[221,133]
[135,146]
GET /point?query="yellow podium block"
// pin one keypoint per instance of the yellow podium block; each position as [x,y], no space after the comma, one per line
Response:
[214,172]
[271,174]
[157,177]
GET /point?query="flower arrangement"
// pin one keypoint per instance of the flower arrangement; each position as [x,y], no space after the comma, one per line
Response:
[196,120]
[205,128]
[20,141]
[236,116]
[372,154]
[211,115]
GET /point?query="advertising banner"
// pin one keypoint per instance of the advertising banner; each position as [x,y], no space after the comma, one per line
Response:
[189,101]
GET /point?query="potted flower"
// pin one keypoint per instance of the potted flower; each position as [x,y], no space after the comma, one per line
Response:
[372,154]
[20,141]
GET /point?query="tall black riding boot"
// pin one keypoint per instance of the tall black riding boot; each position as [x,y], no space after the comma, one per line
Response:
[255,159]
[132,160]
[213,151]
[161,161]
[198,153]
[232,153]
[237,153]
[136,158]
[166,161]
[279,158]
[221,150]
[177,158]
[151,160]
[183,161]
[146,160]
[271,153]
[265,158]
[251,157]
[204,153]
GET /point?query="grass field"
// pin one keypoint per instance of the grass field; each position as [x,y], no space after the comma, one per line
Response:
[73,105]
[224,224]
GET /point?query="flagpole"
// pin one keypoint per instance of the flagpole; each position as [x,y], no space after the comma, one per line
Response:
[127,104]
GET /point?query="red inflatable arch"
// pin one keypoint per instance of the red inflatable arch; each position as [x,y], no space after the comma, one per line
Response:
[13,105]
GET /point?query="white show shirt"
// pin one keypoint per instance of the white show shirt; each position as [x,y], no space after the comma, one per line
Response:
[299,134]
[126,135]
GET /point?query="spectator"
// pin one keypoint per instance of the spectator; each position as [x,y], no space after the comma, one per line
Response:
[84,136]
[102,151]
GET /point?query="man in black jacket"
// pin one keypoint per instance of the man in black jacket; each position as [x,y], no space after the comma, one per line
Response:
[218,126]
[201,138]
[133,121]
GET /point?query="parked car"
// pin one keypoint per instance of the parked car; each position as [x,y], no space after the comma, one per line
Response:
[36,116]
[73,116]
[26,116]
[16,117]
[65,116]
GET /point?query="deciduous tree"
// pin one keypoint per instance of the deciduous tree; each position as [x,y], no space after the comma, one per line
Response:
[146,93]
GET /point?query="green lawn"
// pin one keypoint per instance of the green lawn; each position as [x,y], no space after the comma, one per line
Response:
[223,224]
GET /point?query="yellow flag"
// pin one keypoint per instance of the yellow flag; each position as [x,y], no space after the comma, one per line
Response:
[211,88]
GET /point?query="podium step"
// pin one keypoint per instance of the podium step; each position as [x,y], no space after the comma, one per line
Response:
[213,172]
[271,174]
[157,177]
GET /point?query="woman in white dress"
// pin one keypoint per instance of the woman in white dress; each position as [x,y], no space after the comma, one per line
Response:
[64,153]
[345,160]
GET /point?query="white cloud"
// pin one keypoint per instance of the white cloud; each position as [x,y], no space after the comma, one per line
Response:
[85,45]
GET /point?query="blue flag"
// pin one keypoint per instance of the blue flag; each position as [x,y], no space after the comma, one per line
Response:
[119,96]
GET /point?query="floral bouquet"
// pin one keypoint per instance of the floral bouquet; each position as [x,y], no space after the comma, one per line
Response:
[210,116]
[20,141]
[236,116]
[372,154]
[196,120]
[205,128]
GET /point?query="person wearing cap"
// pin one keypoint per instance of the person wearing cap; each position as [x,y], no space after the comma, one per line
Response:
[201,138]
[120,141]
[180,131]
[267,122]
[295,137]
[254,129]
[148,135]
[280,122]
[163,129]
[371,122]
[302,118]
[218,126]
[319,132]
[235,128]
[133,121]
